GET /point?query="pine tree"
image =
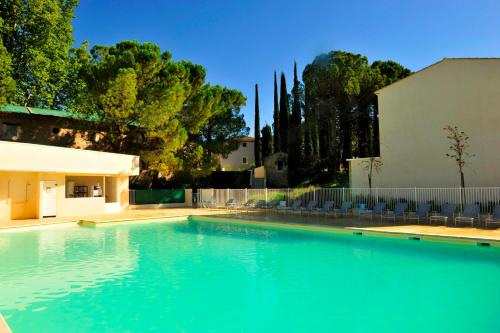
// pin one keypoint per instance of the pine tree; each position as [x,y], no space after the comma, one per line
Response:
[257,147]
[295,133]
[276,118]
[267,141]
[284,114]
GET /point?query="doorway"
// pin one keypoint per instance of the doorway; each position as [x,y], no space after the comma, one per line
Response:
[49,198]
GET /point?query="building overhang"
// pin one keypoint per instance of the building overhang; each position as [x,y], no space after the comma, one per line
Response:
[27,157]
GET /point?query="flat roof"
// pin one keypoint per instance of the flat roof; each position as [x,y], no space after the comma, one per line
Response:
[28,157]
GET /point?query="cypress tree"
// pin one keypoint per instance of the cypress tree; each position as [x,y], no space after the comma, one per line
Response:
[267,141]
[276,118]
[284,114]
[257,148]
[295,134]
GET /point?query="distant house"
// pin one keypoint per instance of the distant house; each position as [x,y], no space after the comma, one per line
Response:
[463,92]
[240,159]
[276,169]
[43,175]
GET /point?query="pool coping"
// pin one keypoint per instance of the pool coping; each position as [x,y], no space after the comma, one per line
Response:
[4,327]
[358,231]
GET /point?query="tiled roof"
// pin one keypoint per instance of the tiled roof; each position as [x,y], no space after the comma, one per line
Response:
[9,108]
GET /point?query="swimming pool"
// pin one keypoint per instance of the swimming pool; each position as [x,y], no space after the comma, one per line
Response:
[196,276]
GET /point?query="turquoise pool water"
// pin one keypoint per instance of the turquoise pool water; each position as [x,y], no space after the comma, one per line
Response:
[217,277]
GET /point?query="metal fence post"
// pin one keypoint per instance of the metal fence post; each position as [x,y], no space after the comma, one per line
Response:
[343,194]
[265,193]
[416,199]
[246,195]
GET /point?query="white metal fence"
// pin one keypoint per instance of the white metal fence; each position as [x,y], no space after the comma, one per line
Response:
[486,197]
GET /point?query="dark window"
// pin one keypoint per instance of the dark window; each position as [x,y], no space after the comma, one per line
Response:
[280,164]
[11,131]
[244,144]
[245,160]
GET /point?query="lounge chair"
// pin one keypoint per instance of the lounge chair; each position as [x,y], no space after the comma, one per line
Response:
[361,209]
[249,204]
[447,213]
[327,207]
[494,218]
[470,213]
[311,206]
[207,204]
[377,210]
[344,209]
[232,204]
[271,205]
[422,212]
[295,207]
[399,211]
[261,204]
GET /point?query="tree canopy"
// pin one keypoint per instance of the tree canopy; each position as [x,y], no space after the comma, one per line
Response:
[37,34]
[150,105]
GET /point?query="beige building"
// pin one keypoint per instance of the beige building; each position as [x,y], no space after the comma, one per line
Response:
[240,159]
[412,114]
[40,178]
[39,181]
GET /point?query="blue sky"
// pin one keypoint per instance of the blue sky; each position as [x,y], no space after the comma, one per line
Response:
[242,42]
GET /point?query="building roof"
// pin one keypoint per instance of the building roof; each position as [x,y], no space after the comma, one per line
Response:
[377,92]
[10,108]
[246,139]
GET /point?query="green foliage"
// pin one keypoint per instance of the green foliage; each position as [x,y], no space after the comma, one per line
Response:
[340,110]
[153,106]
[267,141]
[284,115]
[219,135]
[257,144]
[276,118]
[7,83]
[38,35]
[295,135]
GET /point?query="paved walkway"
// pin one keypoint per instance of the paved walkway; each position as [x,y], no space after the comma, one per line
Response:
[137,214]
[352,223]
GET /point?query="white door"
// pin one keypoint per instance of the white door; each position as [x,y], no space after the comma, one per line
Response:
[49,198]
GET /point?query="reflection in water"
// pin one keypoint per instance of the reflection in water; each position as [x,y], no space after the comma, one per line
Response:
[37,266]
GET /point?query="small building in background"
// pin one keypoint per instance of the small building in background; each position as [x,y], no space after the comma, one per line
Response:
[242,158]
[276,170]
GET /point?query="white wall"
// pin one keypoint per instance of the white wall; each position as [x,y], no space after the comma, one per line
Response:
[412,114]
[16,156]
[234,160]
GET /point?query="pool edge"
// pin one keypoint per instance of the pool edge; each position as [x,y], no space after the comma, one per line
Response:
[355,231]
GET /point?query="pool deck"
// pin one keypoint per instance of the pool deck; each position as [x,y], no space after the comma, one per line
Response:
[4,328]
[347,223]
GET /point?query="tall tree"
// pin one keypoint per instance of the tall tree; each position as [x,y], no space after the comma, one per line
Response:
[276,118]
[391,72]
[267,141]
[295,139]
[284,114]
[219,133]
[38,36]
[139,96]
[7,84]
[340,109]
[257,143]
